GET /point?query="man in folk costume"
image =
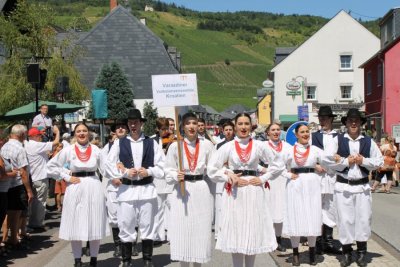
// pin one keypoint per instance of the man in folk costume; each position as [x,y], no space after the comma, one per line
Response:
[354,157]
[143,161]
[320,139]
[118,130]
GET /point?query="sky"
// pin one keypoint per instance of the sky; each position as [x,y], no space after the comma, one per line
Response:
[364,9]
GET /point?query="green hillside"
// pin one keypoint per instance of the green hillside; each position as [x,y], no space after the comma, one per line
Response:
[231,53]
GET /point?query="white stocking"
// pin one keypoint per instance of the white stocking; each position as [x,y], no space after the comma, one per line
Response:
[249,260]
[76,249]
[237,259]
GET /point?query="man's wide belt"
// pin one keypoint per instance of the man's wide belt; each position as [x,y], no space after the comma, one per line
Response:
[83,174]
[343,180]
[246,172]
[189,177]
[302,170]
[143,181]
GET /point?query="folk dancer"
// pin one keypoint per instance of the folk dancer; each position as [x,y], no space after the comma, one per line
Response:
[354,157]
[143,161]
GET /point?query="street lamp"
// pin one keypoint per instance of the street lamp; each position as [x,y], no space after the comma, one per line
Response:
[303,87]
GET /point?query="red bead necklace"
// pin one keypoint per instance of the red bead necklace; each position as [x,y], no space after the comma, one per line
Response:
[192,158]
[277,148]
[300,157]
[83,156]
[244,154]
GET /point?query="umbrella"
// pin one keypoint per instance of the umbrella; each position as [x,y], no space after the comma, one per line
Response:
[29,111]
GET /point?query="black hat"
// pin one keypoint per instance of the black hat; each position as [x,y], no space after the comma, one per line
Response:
[222,121]
[119,122]
[325,111]
[354,113]
[134,114]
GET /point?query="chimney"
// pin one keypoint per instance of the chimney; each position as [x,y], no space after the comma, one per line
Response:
[113,4]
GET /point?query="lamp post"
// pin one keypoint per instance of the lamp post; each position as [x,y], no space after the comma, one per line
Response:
[303,87]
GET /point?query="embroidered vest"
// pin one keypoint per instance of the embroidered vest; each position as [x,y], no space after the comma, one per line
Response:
[344,151]
[125,153]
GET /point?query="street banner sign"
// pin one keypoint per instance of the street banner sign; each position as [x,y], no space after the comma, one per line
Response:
[175,90]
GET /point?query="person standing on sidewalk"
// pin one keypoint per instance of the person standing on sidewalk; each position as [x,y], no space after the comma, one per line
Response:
[20,193]
[43,120]
[143,161]
[354,156]
[320,139]
[84,214]
[38,156]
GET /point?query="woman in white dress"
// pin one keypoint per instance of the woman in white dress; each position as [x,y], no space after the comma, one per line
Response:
[191,215]
[303,216]
[246,225]
[277,192]
[84,214]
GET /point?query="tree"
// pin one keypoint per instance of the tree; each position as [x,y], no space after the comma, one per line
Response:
[151,114]
[119,91]
[27,35]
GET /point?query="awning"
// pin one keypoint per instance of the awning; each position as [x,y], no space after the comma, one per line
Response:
[288,118]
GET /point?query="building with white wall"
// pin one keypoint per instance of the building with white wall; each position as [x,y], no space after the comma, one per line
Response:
[327,64]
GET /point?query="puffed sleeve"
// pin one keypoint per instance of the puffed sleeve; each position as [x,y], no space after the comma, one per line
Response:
[157,171]
[56,167]
[215,168]
[275,166]
[171,164]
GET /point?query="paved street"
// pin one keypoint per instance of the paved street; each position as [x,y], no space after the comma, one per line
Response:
[47,250]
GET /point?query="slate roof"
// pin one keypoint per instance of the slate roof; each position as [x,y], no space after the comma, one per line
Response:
[122,38]
[282,52]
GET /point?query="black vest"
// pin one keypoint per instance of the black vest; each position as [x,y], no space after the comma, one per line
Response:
[125,153]
[318,139]
[344,151]
[222,143]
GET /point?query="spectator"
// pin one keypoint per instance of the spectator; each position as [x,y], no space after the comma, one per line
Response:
[43,120]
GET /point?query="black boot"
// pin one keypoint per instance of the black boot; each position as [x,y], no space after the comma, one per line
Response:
[311,250]
[318,245]
[126,251]
[296,259]
[327,237]
[147,251]
[117,242]
[361,254]
[280,247]
[93,262]
[346,260]
[135,251]
[78,263]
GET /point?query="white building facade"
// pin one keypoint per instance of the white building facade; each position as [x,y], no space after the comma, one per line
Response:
[325,69]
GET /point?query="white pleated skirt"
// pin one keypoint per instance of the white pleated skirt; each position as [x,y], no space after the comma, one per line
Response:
[246,225]
[303,215]
[84,214]
[277,198]
[190,223]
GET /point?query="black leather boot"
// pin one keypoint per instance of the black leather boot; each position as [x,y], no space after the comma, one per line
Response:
[361,254]
[346,260]
[147,251]
[311,251]
[126,251]
[93,262]
[117,242]
[327,237]
[296,258]
[280,247]
[318,245]
[78,263]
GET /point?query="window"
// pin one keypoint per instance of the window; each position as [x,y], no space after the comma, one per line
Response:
[311,93]
[346,62]
[345,91]
[369,83]
[380,75]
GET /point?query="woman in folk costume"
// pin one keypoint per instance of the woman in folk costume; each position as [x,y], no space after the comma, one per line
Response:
[303,213]
[277,192]
[246,227]
[84,214]
[191,213]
